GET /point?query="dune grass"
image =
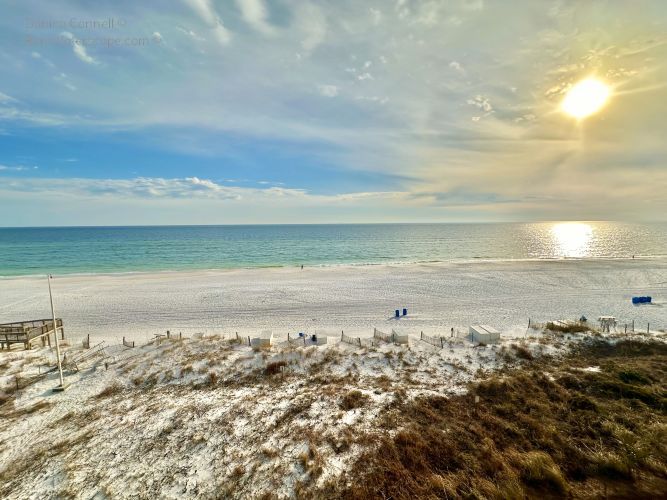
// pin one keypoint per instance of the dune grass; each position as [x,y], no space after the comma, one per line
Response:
[549,431]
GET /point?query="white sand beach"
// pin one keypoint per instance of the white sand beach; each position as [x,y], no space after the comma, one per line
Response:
[206,416]
[350,298]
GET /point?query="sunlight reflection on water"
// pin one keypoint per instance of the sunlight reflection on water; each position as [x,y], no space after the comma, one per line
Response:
[572,239]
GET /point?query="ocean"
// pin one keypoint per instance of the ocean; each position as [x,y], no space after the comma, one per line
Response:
[67,250]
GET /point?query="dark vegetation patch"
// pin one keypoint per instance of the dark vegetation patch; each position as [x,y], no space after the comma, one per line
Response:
[353,399]
[571,433]
[570,328]
[274,367]
[522,352]
[110,390]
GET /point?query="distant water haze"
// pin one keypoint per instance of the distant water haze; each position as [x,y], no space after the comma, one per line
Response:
[29,251]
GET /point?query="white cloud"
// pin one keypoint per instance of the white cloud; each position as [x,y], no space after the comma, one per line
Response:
[4,98]
[328,90]
[79,49]
[439,122]
[208,14]
[157,188]
[255,13]
[456,66]
[481,102]
[311,26]
[376,16]
[18,168]
[37,55]
[190,33]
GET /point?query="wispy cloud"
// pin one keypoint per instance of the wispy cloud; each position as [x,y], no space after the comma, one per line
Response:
[208,14]
[17,168]
[256,14]
[161,188]
[79,48]
[328,90]
[400,89]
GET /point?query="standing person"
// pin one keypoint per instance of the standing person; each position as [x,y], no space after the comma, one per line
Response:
[302,267]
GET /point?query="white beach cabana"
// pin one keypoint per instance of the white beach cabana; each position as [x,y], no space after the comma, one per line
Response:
[399,337]
[484,333]
[262,339]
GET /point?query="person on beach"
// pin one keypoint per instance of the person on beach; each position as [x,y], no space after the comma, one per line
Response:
[302,266]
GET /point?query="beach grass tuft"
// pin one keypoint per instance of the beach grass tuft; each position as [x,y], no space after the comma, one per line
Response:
[522,433]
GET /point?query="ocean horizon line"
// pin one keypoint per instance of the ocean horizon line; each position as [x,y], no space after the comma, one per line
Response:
[385,223]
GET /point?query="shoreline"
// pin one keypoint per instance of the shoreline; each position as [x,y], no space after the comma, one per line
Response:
[342,265]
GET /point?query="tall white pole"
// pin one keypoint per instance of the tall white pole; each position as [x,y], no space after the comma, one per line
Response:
[55,333]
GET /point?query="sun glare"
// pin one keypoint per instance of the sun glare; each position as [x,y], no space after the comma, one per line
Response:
[572,239]
[585,98]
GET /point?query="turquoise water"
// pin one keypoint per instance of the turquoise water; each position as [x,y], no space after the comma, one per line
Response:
[28,251]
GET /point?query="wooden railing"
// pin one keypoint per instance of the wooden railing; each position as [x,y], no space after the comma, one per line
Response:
[23,332]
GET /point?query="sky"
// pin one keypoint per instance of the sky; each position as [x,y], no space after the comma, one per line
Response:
[305,111]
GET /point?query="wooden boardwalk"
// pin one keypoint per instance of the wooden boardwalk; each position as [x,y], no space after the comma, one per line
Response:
[28,332]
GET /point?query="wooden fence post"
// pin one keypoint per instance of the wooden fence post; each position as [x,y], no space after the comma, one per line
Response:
[248,340]
[341,335]
[647,328]
[442,343]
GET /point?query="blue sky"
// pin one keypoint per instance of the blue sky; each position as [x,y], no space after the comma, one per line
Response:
[257,111]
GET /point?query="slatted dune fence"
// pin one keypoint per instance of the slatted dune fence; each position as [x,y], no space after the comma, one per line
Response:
[369,342]
[350,340]
[379,335]
[358,341]
[434,341]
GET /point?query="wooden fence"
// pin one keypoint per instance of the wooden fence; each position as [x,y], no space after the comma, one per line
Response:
[127,343]
[386,337]
[350,340]
[358,341]
[434,341]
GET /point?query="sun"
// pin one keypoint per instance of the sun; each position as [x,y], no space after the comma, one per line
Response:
[585,98]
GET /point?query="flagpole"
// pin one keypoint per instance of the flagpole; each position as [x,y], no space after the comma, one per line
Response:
[55,333]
